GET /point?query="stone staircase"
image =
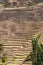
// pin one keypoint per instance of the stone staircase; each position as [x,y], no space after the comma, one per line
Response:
[17,50]
[17,27]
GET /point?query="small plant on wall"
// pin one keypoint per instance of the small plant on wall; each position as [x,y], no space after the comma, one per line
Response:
[36,55]
[3,57]
[1,47]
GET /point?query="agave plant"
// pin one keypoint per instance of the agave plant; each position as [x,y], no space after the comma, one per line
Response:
[36,55]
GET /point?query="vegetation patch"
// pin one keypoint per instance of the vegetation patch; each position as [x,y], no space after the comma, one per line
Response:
[36,55]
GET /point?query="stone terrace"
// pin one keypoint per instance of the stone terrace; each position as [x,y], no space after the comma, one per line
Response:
[17,27]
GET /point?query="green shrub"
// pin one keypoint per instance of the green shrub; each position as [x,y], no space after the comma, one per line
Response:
[36,55]
[1,47]
[3,64]
[5,5]
[4,58]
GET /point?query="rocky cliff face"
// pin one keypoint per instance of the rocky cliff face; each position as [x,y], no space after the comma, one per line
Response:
[17,27]
[18,3]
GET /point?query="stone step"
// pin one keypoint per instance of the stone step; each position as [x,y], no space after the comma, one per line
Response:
[15,61]
[27,64]
[16,39]
[16,43]
[20,47]
[19,62]
[17,52]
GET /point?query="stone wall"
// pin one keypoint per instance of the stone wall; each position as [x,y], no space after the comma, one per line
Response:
[17,27]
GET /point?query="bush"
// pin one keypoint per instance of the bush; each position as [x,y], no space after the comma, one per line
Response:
[4,58]
[36,55]
[1,47]
[37,1]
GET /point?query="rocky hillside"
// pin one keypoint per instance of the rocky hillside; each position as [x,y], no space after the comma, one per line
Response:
[19,3]
[17,27]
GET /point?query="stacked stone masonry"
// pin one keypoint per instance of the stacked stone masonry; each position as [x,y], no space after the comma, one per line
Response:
[17,27]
